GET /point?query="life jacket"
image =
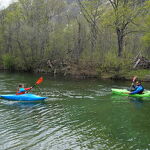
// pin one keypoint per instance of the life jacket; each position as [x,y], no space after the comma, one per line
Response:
[22,91]
[140,92]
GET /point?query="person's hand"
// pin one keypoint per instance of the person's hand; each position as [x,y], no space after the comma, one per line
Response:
[126,92]
[134,79]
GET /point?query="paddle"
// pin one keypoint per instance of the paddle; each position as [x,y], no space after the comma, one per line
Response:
[40,80]
[133,80]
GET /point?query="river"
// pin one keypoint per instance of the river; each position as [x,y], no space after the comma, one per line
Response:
[78,114]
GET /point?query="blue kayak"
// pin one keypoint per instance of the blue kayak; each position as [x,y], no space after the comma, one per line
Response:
[24,97]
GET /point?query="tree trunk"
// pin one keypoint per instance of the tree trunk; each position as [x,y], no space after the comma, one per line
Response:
[78,43]
[120,38]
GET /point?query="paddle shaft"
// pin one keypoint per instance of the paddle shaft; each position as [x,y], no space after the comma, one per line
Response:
[133,80]
[40,80]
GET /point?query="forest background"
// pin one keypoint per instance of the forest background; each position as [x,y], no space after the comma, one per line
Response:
[78,38]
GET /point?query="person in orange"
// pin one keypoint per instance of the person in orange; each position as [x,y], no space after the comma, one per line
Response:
[22,90]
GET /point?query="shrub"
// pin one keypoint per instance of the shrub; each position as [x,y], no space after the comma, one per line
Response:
[114,64]
[8,62]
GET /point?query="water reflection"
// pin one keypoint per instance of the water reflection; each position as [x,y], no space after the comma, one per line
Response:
[137,101]
[22,104]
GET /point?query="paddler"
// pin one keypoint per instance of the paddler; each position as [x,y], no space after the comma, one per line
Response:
[137,88]
[22,90]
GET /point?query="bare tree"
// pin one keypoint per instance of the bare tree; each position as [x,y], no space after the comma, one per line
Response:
[124,12]
[92,12]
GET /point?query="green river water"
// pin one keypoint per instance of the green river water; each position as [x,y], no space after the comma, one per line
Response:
[78,114]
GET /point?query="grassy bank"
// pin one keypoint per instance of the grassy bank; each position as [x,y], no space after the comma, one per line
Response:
[142,74]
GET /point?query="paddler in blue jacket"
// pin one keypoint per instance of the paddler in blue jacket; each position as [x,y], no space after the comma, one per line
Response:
[138,88]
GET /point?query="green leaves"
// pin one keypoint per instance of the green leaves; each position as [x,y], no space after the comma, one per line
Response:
[146,25]
[8,61]
[36,30]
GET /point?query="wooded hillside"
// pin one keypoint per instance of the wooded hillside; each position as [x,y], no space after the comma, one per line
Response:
[74,36]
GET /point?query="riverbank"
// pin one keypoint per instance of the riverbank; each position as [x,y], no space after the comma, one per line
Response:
[142,74]
[89,71]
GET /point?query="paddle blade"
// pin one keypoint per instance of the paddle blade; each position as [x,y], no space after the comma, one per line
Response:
[40,80]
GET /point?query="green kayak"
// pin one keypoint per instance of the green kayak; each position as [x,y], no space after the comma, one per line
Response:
[123,93]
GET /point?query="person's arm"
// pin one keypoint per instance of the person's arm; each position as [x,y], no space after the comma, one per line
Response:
[139,89]
[28,88]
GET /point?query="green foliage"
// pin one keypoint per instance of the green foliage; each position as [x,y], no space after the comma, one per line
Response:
[146,39]
[114,65]
[33,31]
[8,61]
[20,64]
[142,73]
[146,27]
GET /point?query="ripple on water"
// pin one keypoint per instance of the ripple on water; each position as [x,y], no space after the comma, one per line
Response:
[75,116]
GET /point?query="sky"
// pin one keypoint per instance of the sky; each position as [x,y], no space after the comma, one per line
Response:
[5,3]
